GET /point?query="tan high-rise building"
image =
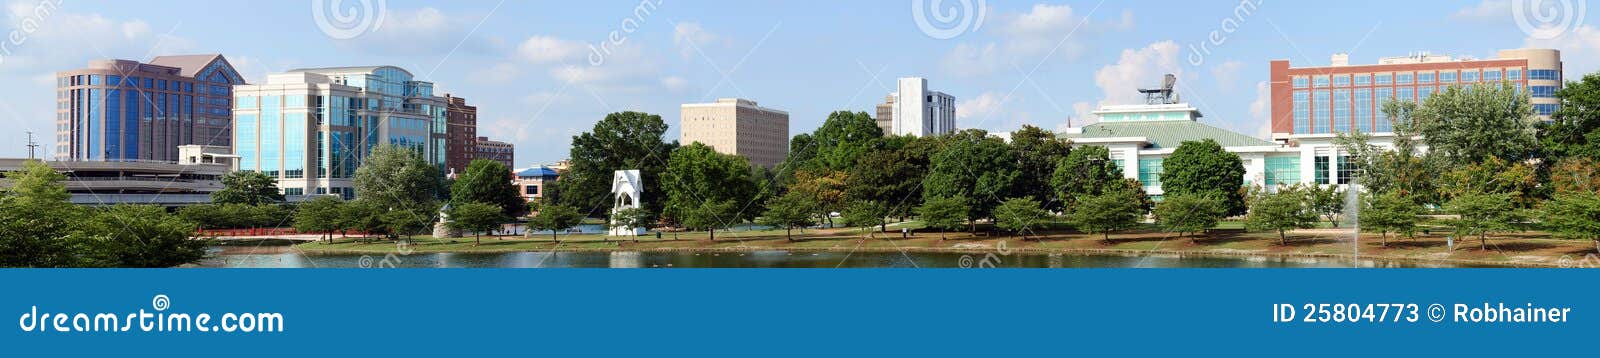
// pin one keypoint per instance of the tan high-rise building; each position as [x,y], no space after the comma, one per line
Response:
[739,127]
[885,116]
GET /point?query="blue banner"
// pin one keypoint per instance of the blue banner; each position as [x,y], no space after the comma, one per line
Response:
[853,312]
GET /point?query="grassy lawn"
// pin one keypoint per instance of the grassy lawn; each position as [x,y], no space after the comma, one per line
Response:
[1532,248]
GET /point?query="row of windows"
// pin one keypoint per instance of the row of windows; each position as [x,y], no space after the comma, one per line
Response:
[119,81]
[1424,77]
[1367,107]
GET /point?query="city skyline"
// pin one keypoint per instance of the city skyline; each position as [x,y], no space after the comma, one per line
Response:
[530,72]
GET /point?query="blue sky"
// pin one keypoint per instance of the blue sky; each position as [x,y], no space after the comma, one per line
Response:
[526,65]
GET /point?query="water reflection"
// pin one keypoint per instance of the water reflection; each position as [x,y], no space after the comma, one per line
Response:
[289,258]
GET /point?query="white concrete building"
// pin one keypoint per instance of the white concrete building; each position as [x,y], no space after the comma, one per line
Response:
[917,111]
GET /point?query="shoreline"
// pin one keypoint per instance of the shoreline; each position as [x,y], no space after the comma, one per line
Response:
[975,250]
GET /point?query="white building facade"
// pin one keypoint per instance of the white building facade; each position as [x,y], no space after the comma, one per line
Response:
[917,111]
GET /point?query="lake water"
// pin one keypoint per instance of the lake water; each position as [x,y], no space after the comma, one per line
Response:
[283,257]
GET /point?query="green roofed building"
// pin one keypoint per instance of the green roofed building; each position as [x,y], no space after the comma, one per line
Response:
[1139,137]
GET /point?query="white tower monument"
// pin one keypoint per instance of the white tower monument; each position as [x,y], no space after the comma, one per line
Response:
[626,186]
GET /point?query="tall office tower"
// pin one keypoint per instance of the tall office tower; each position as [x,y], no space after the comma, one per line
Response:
[885,116]
[122,110]
[1343,97]
[918,111]
[739,127]
[462,134]
[311,128]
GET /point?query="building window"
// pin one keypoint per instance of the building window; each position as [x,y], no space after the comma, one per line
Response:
[1301,82]
[1319,117]
[1283,171]
[1364,109]
[1384,124]
[1319,81]
[1347,169]
[1545,109]
[1405,94]
[1384,79]
[1150,173]
[1364,79]
[1543,91]
[1469,76]
[1424,92]
[1341,81]
[1302,112]
[1425,78]
[1514,74]
[1341,111]
[1491,75]
[1402,78]
[1447,77]
[531,190]
[1320,169]
[1551,75]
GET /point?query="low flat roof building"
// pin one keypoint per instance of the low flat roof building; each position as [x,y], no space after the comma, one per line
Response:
[190,181]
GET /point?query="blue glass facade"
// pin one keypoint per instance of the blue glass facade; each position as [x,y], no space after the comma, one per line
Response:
[120,110]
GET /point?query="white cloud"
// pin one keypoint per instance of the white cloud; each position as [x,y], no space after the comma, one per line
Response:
[549,49]
[985,105]
[424,31]
[1227,74]
[1485,11]
[1026,38]
[1580,50]
[674,84]
[691,38]
[1135,68]
[1261,110]
[500,73]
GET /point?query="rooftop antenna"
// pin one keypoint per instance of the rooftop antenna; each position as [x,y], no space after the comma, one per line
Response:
[31,145]
[1163,95]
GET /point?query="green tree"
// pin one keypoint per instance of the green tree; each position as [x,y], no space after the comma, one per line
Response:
[1189,213]
[1282,211]
[843,138]
[555,217]
[249,188]
[477,218]
[826,190]
[363,216]
[139,236]
[891,174]
[696,173]
[865,214]
[1574,129]
[1324,200]
[320,215]
[974,166]
[632,218]
[404,223]
[1519,181]
[707,215]
[943,213]
[1470,125]
[1086,171]
[621,141]
[37,218]
[1481,214]
[1020,215]
[1111,211]
[1576,175]
[1038,151]
[1205,168]
[397,178]
[789,211]
[488,181]
[1389,212]
[1574,215]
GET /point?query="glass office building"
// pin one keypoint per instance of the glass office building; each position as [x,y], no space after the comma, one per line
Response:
[122,110]
[311,128]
